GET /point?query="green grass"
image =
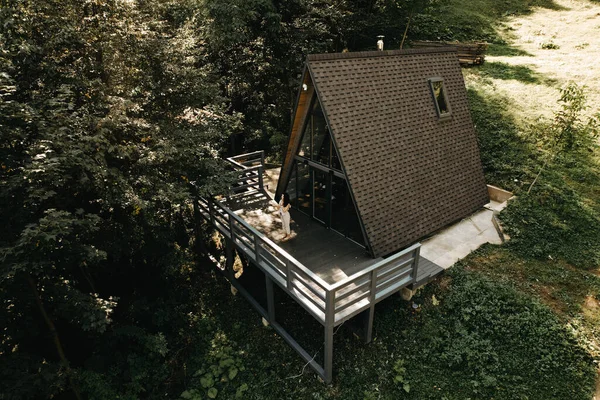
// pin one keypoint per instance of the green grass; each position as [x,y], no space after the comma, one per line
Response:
[521,73]
[555,282]
[475,20]
[560,218]
[509,156]
[505,50]
[482,340]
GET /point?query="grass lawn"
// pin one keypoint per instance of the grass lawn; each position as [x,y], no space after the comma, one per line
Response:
[470,337]
[518,321]
[555,252]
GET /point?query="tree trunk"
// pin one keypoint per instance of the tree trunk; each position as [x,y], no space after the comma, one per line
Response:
[55,337]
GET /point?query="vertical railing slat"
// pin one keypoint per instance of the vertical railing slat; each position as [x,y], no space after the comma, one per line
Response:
[256,248]
[288,273]
[260,178]
[416,255]
[231,229]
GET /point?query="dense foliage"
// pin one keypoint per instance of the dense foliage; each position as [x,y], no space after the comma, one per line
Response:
[108,129]
[469,337]
[113,117]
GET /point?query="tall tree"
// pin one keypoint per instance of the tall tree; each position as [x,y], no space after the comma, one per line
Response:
[109,125]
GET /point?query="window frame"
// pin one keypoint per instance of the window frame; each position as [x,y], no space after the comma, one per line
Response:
[440,115]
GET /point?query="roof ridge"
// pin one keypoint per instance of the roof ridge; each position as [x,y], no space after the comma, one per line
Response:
[385,53]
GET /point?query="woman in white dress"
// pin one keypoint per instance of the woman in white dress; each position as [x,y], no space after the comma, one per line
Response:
[284,211]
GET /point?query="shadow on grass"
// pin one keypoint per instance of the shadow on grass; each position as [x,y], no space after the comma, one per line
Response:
[521,73]
[505,50]
[475,19]
[508,158]
[549,4]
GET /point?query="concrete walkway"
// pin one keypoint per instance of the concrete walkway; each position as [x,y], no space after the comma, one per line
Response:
[457,241]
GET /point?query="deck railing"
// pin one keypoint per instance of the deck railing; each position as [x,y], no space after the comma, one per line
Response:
[330,304]
[336,302]
[251,168]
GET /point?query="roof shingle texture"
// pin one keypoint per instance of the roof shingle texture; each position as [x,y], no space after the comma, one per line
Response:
[411,172]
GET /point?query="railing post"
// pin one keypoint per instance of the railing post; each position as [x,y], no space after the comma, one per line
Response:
[256,249]
[329,323]
[371,316]
[415,270]
[260,178]
[211,211]
[262,157]
[373,286]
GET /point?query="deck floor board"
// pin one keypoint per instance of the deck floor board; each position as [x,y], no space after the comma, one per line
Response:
[325,252]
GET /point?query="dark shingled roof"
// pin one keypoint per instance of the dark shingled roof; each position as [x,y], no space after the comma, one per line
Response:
[411,172]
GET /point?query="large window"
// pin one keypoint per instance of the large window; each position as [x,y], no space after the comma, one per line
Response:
[317,186]
[343,214]
[440,98]
[304,188]
[316,144]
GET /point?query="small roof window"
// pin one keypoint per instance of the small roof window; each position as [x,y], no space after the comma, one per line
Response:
[438,91]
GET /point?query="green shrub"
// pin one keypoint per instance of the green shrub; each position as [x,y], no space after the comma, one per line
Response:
[549,46]
[486,340]
[553,221]
[217,375]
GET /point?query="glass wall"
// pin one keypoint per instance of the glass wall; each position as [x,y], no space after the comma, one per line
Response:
[316,190]
[304,193]
[321,137]
[343,213]
[321,200]
[292,184]
[306,144]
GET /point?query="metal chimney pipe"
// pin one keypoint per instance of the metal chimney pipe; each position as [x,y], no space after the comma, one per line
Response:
[380,42]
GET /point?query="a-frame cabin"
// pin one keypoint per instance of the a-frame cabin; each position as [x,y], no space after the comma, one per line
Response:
[382,147]
[382,152]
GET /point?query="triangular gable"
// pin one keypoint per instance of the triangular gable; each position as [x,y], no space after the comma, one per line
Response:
[312,144]
[411,169]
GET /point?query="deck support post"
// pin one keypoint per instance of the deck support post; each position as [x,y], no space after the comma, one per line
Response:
[270,299]
[370,313]
[329,324]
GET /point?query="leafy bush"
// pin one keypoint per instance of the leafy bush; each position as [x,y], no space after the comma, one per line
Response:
[549,46]
[486,340]
[553,221]
[218,373]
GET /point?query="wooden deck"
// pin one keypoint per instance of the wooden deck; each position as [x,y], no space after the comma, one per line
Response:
[325,252]
[331,277]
